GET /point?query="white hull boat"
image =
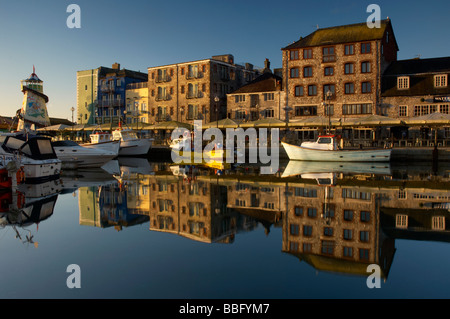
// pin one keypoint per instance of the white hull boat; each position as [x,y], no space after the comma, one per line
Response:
[37,155]
[326,149]
[130,144]
[295,168]
[103,140]
[74,156]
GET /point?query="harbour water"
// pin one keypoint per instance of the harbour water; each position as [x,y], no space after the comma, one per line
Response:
[154,230]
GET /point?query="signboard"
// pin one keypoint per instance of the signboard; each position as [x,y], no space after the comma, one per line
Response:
[438,99]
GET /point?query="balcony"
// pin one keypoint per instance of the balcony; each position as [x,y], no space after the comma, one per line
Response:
[162,97]
[160,117]
[111,103]
[194,75]
[194,95]
[329,58]
[107,88]
[194,116]
[163,78]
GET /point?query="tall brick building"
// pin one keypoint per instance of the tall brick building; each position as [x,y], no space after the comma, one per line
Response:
[346,60]
[194,90]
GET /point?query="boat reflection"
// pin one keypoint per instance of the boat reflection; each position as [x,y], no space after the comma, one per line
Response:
[337,220]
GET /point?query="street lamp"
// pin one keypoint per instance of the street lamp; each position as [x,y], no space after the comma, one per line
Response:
[216,99]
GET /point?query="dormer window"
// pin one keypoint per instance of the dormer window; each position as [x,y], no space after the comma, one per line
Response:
[440,80]
[403,82]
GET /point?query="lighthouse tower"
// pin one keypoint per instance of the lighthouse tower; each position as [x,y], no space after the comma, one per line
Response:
[33,113]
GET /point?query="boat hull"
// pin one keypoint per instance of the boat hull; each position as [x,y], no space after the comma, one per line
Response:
[134,147]
[41,171]
[306,154]
[112,146]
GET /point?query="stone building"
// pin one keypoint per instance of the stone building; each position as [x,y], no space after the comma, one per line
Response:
[194,90]
[417,88]
[346,61]
[137,104]
[261,98]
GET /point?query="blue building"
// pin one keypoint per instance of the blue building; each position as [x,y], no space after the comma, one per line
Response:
[101,93]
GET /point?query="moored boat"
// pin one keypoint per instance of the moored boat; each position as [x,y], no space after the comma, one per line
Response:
[326,149]
[130,143]
[74,156]
[102,140]
[36,155]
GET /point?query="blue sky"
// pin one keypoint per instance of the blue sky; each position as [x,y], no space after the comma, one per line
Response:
[141,34]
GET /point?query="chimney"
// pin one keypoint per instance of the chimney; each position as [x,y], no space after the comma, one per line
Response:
[116,66]
[267,66]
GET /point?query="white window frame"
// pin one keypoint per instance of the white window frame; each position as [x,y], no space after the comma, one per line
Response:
[403,82]
[401,221]
[404,108]
[440,80]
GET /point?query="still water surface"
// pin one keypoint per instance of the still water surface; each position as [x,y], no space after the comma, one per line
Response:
[153,230]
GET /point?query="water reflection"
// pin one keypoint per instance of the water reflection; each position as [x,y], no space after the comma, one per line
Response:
[336,218]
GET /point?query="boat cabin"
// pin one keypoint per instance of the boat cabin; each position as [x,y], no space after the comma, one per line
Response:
[100,137]
[35,147]
[124,135]
[324,142]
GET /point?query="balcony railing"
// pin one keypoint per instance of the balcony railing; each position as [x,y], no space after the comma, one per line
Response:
[162,117]
[194,95]
[194,75]
[163,78]
[194,117]
[329,58]
[107,88]
[162,97]
[110,103]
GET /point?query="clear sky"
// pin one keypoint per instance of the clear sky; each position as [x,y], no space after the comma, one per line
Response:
[140,34]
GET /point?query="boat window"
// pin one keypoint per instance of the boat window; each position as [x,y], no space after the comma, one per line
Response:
[324,140]
[14,143]
[2,139]
[45,146]
[26,150]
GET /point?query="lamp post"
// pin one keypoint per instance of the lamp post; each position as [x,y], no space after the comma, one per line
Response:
[216,99]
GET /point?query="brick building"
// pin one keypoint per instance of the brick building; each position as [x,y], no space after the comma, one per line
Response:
[194,90]
[346,60]
[261,98]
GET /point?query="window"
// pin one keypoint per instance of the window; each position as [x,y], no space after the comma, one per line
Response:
[294,55]
[328,231]
[312,212]
[268,96]
[307,230]
[403,82]
[328,71]
[366,87]
[354,194]
[443,108]
[348,215]
[239,98]
[268,113]
[298,211]
[365,48]
[294,230]
[305,192]
[348,109]
[348,252]
[364,236]
[366,67]
[403,110]
[295,73]
[349,88]
[307,53]
[85,87]
[365,216]
[307,247]
[440,80]
[298,90]
[305,110]
[438,223]
[312,90]
[348,234]
[363,254]
[119,82]
[328,247]
[349,68]
[349,49]
[328,54]
[401,221]
[307,72]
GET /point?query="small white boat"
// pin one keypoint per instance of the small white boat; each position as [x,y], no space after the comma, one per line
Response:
[130,144]
[74,156]
[295,168]
[326,149]
[103,140]
[37,155]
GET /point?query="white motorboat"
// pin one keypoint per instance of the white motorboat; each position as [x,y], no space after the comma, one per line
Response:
[326,149]
[36,154]
[295,168]
[102,140]
[74,156]
[130,144]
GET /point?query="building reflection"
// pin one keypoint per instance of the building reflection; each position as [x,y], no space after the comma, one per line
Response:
[336,222]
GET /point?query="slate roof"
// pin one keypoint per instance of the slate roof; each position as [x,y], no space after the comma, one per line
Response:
[267,82]
[342,34]
[421,74]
